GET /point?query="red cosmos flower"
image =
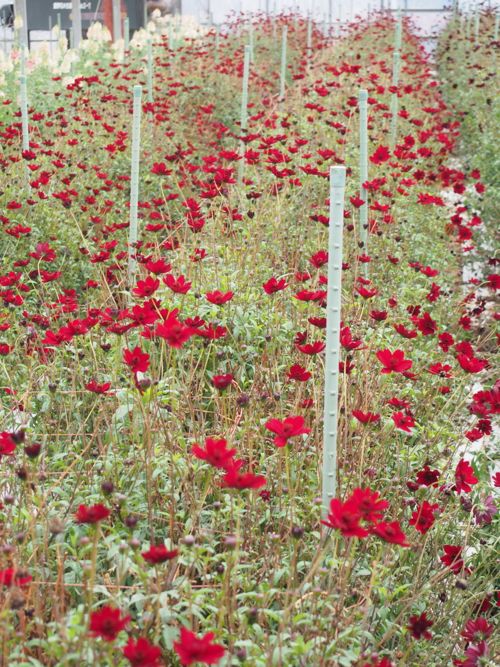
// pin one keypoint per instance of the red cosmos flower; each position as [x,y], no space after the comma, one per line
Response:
[221,382]
[347,341]
[191,648]
[423,517]
[394,362]
[419,626]
[319,259]
[428,477]
[97,388]
[215,452]
[7,444]
[158,553]
[141,653]
[464,477]
[234,479]
[452,558]
[92,513]
[477,629]
[312,348]
[471,364]
[298,373]
[406,333]
[383,662]
[12,577]
[179,285]
[356,201]
[368,504]
[147,287]
[107,623]
[382,154]
[174,332]
[366,417]
[366,293]
[136,360]
[446,340]
[403,421]
[345,517]
[158,266]
[288,428]
[273,285]
[443,370]
[390,532]
[219,298]
[425,324]
[378,315]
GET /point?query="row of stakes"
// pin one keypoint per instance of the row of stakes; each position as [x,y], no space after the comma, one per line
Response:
[336,214]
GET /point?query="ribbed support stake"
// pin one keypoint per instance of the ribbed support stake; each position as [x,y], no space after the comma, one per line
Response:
[76,18]
[395,100]
[284,37]
[309,38]
[24,112]
[150,71]
[126,33]
[134,182]
[244,110]
[363,171]
[217,44]
[117,27]
[332,358]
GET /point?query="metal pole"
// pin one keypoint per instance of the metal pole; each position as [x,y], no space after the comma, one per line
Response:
[332,358]
[24,112]
[126,33]
[283,62]
[117,28]
[134,181]
[363,170]
[395,100]
[76,17]
[244,110]
[150,71]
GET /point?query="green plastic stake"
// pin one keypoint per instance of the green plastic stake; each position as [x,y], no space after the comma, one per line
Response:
[363,171]
[284,36]
[134,182]
[24,111]
[332,358]
[76,18]
[126,34]
[395,100]
[251,41]
[244,110]
[150,71]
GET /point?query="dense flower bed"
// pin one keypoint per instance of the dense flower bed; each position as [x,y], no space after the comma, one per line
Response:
[162,440]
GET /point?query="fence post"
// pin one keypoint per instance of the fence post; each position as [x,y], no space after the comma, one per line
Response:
[284,37]
[244,110]
[332,354]
[134,182]
[363,171]
[76,17]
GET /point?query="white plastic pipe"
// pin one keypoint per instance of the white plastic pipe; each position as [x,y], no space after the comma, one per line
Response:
[363,170]
[332,358]
[23,94]
[76,18]
[284,37]
[134,181]
[117,21]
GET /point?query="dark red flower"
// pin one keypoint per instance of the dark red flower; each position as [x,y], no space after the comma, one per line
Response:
[452,558]
[158,553]
[464,477]
[92,513]
[191,648]
[390,532]
[215,452]
[7,444]
[287,428]
[107,623]
[141,653]
[419,626]
[477,629]
[298,373]
[221,382]
[235,479]
[382,154]
[219,298]
[273,285]
[403,421]
[12,577]
[394,362]
[423,517]
[346,518]
[366,417]
[136,360]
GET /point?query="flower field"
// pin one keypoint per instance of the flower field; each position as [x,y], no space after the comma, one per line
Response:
[162,442]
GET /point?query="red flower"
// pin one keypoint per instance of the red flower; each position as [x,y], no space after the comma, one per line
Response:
[7,444]
[423,517]
[222,381]
[147,287]
[191,649]
[453,558]
[274,285]
[477,629]
[345,517]
[425,324]
[142,654]
[394,362]
[97,388]
[11,577]
[390,532]
[107,623]
[288,428]
[404,422]
[471,364]
[312,348]
[428,477]
[368,504]
[464,477]
[158,553]
[378,315]
[92,513]
[366,417]
[382,154]
[215,452]
[298,373]
[179,285]
[235,479]
[136,360]
[219,298]
[419,626]
[173,331]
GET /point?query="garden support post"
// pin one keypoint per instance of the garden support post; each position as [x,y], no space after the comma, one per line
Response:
[283,62]
[394,101]
[217,44]
[24,111]
[22,22]
[134,181]
[117,28]
[76,17]
[126,34]
[363,171]
[150,71]
[244,110]
[309,39]
[332,354]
